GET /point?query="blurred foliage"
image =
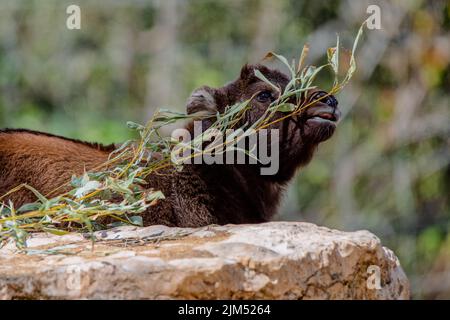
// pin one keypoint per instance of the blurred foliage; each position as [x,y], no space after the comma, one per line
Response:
[387,167]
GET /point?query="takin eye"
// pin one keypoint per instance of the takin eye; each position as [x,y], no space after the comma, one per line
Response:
[265,96]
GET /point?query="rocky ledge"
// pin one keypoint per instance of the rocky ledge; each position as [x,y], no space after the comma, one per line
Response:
[277,260]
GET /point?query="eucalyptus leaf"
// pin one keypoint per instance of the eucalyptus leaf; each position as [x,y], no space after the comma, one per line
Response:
[135,126]
[287,107]
[57,232]
[262,77]
[137,221]
[36,193]
[87,188]
[28,207]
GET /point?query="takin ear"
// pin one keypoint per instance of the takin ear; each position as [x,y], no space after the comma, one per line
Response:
[202,100]
[247,72]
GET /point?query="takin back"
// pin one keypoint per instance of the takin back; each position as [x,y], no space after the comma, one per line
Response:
[200,194]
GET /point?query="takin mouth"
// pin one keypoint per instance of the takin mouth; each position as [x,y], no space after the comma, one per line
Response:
[324,117]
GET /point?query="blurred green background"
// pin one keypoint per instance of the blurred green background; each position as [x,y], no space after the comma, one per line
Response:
[387,169]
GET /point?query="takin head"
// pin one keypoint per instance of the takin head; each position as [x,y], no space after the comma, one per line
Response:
[299,134]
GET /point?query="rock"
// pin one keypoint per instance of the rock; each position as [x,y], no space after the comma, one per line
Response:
[277,260]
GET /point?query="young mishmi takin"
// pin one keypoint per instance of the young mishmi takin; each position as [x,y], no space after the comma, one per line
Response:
[200,194]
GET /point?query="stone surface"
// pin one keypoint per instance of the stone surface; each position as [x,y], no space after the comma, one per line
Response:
[277,260]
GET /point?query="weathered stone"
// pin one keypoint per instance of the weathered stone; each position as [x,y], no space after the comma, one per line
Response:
[277,260]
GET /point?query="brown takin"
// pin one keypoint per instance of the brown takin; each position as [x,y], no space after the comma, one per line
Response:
[200,194]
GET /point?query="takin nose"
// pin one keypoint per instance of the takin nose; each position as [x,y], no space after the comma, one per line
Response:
[323,97]
[331,101]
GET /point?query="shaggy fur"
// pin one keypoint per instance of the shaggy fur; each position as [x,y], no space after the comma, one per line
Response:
[200,194]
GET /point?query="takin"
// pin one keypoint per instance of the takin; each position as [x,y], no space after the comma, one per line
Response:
[200,194]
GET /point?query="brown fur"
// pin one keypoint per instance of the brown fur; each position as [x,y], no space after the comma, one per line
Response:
[43,161]
[198,195]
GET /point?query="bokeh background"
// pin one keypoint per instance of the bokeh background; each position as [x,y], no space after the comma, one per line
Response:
[387,169]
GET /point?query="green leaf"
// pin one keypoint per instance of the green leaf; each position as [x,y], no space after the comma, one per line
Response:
[155,195]
[137,221]
[48,204]
[303,56]
[352,66]
[286,107]
[29,207]
[283,60]
[55,231]
[87,188]
[262,77]
[333,60]
[117,186]
[135,126]
[309,74]
[36,193]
